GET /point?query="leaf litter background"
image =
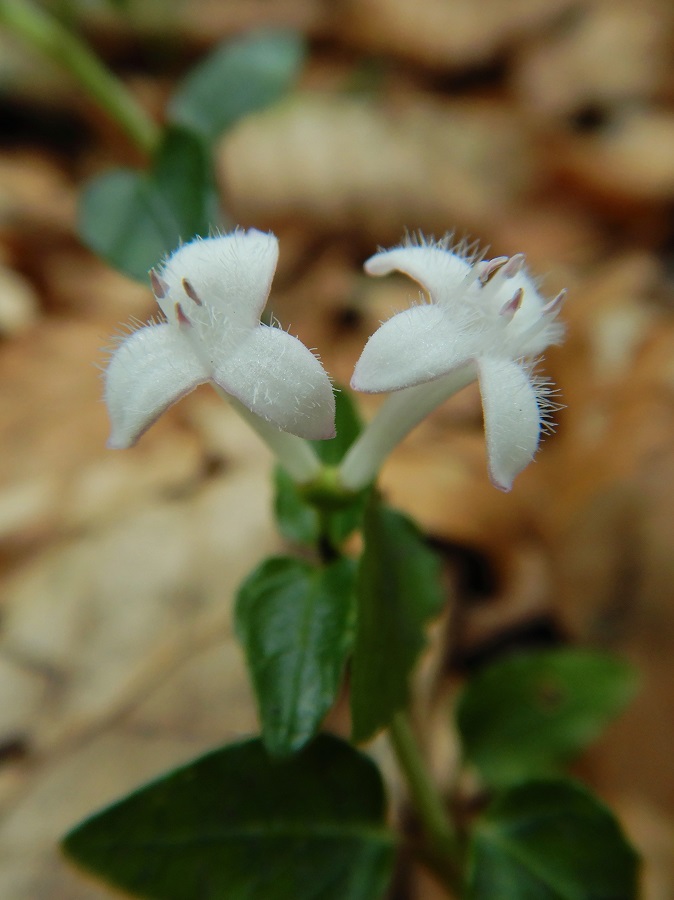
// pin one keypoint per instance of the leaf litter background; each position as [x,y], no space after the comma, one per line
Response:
[537,125]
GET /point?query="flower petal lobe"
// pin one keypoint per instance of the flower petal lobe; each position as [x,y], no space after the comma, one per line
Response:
[512,419]
[279,379]
[416,345]
[436,269]
[148,372]
[231,273]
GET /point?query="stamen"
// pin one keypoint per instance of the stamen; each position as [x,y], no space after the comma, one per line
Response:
[514,265]
[181,317]
[490,267]
[159,286]
[554,305]
[191,293]
[511,307]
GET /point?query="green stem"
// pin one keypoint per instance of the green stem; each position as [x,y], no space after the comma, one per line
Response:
[442,851]
[45,33]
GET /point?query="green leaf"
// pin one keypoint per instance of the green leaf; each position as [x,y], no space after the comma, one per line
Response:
[183,172]
[398,591]
[296,624]
[238,78]
[235,824]
[550,841]
[133,220]
[529,714]
[298,518]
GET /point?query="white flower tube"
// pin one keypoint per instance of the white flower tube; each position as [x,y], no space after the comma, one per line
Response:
[212,292]
[485,321]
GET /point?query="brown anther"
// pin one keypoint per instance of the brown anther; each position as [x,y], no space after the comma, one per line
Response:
[510,308]
[514,265]
[490,267]
[191,293]
[159,286]
[554,305]
[181,317]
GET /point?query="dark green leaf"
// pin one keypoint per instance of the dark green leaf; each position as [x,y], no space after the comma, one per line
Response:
[298,518]
[530,713]
[550,841]
[296,624]
[183,173]
[398,591]
[236,825]
[238,78]
[133,220]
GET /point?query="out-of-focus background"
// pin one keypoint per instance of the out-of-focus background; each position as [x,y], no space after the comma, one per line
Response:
[543,126]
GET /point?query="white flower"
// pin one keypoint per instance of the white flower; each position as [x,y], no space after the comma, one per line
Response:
[211,293]
[485,320]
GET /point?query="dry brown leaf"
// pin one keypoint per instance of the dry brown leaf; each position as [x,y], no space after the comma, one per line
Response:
[445,33]
[348,163]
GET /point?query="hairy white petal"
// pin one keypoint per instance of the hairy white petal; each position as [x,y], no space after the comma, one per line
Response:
[438,270]
[232,274]
[512,419]
[279,379]
[420,344]
[148,372]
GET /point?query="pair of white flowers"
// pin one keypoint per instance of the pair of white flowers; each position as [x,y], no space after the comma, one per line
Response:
[481,320]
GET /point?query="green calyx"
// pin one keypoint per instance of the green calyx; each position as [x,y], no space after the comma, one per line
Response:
[326,491]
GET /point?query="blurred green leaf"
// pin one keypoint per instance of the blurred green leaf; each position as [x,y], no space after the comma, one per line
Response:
[238,78]
[133,220]
[120,5]
[550,840]
[296,624]
[398,591]
[236,824]
[529,714]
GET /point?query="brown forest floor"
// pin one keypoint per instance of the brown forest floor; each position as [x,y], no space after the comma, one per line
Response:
[543,126]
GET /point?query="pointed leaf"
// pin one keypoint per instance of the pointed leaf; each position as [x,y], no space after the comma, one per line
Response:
[550,841]
[238,78]
[398,592]
[296,625]
[133,220]
[183,173]
[235,824]
[529,714]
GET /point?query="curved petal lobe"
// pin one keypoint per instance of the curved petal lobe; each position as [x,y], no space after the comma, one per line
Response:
[279,379]
[417,345]
[231,273]
[149,372]
[512,419]
[437,270]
